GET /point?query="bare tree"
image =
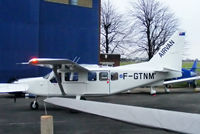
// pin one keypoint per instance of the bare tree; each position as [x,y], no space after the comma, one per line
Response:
[153,23]
[113,29]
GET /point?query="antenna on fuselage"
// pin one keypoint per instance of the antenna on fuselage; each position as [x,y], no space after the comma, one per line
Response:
[76,59]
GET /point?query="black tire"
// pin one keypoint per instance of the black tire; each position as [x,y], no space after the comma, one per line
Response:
[194,85]
[169,86]
[82,98]
[34,105]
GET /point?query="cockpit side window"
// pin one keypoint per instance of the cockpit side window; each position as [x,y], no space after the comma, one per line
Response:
[53,79]
[71,76]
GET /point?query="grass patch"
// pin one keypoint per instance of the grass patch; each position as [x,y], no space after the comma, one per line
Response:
[126,63]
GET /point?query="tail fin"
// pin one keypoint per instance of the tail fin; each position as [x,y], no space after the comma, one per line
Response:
[170,54]
[194,67]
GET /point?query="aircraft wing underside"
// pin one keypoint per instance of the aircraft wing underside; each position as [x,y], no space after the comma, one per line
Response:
[164,119]
[50,63]
[11,88]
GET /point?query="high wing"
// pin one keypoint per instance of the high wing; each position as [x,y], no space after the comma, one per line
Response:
[62,65]
[182,80]
[50,63]
[13,88]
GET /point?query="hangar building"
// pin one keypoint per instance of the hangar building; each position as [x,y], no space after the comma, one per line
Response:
[48,29]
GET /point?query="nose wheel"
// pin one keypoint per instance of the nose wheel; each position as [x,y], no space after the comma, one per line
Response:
[34,105]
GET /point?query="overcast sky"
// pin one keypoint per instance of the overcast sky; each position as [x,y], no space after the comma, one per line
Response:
[187,11]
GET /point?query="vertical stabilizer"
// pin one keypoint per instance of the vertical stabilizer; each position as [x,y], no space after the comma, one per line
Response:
[194,67]
[170,54]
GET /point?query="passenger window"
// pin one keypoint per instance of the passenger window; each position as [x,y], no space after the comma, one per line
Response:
[103,76]
[114,76]
[71,76]
[92,76]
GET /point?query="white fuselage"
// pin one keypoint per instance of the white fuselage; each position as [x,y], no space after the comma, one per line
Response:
[103,81]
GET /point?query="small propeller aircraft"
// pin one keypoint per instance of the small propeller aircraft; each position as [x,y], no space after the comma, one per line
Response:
[71,79]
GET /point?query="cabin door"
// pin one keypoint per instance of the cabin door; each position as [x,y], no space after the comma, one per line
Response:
[98,83]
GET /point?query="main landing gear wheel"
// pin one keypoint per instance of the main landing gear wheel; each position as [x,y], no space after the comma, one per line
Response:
[34,105]
[194,84]
[152,91]
[166,89]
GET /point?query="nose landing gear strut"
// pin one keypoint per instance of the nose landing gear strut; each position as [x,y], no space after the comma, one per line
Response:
[34,104]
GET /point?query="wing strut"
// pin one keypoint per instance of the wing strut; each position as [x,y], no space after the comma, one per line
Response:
[58,80]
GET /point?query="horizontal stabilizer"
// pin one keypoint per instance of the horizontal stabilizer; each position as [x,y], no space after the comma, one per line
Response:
[181,80]
[166,70]
[11,88]
[170,120]
[171,70]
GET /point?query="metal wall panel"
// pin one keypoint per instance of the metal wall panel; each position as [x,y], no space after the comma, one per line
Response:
[38,28]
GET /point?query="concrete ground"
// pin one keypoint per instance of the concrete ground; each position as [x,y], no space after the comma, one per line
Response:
[17,118]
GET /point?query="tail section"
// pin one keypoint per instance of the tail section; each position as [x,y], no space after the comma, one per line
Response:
[194,67]
[170,54]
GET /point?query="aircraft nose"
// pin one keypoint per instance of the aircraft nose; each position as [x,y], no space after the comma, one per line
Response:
[18,81]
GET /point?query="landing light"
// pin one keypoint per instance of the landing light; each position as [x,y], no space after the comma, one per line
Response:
[34,61]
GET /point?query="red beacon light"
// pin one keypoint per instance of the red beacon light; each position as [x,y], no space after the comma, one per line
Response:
[34,61]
